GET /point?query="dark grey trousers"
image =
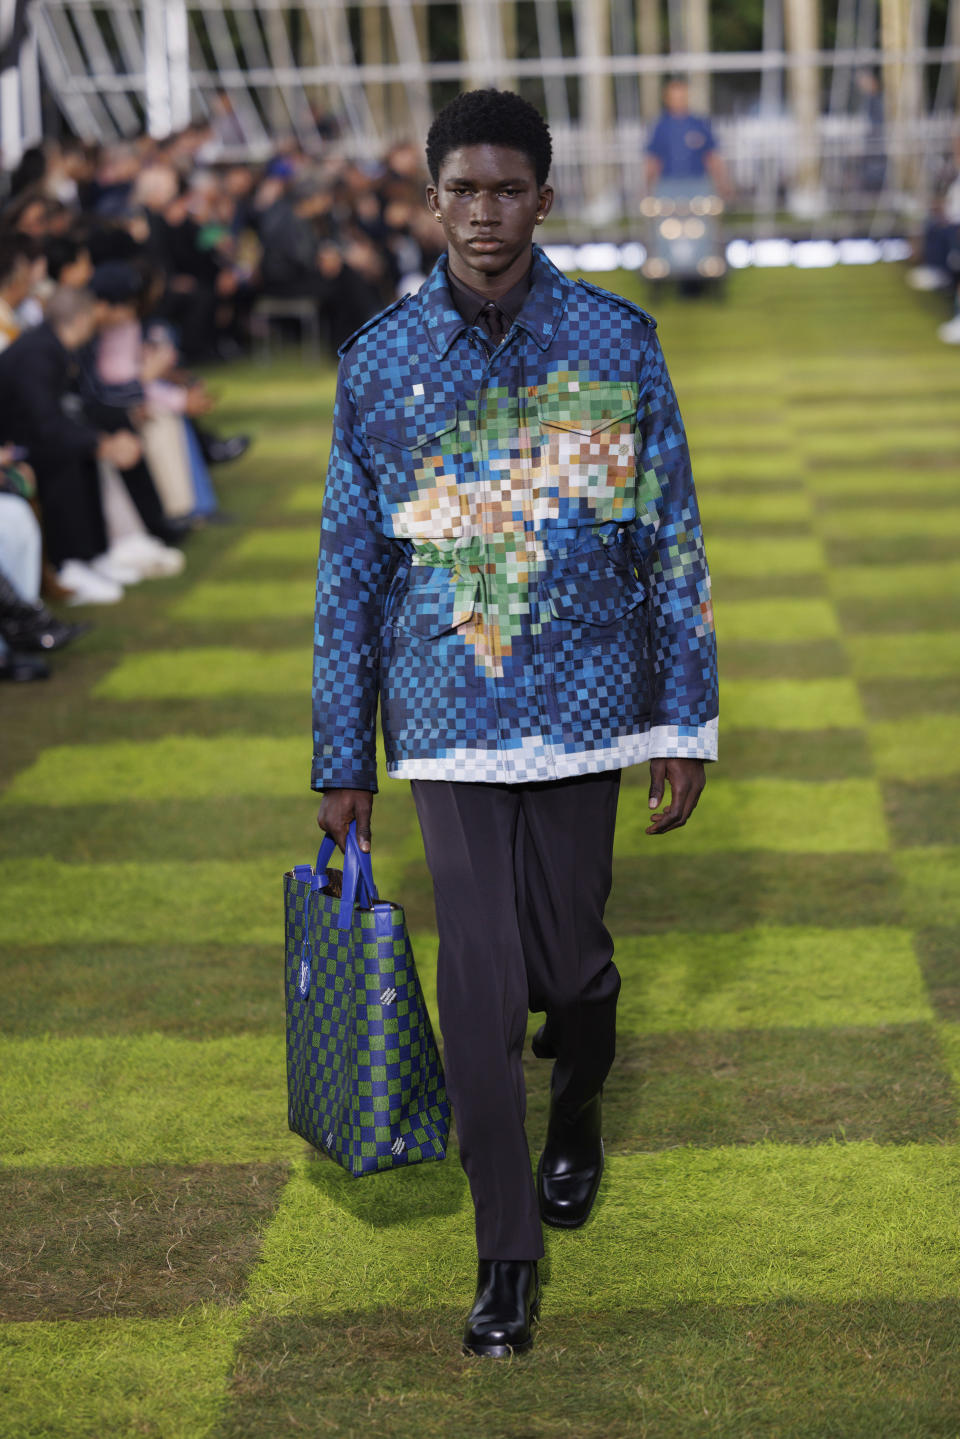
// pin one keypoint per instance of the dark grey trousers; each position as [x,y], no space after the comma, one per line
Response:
[521,875]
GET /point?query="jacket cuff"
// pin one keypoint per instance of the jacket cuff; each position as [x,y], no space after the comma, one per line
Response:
[670,741]
[323,777]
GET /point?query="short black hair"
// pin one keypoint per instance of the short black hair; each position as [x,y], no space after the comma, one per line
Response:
[61,251]
[15,247]
[490,117]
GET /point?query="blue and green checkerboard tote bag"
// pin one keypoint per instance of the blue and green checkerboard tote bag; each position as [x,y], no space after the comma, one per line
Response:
[364,1078]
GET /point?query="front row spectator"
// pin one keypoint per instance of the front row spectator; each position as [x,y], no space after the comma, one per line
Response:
[127,382]
[35,374]
[16,278]
[27,628]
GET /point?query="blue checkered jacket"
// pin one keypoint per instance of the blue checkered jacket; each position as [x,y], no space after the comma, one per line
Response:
[511,557]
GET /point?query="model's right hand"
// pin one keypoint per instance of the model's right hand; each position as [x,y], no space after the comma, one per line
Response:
[338,807]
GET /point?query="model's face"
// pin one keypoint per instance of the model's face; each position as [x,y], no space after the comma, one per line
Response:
[676,98]
[488,200]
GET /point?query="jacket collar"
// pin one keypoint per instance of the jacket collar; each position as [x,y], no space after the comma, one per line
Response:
[541,313]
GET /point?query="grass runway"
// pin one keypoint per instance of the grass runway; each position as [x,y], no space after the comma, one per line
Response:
[775,1248]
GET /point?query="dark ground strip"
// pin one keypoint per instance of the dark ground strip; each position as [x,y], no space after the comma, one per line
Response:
[789,1086]
[938,951]
[898,613]
[788,1370]
[739,890]
[798,660]
[895,550]
[819,754]
[194,991]
[132,1243]
[899,698]
[923,813]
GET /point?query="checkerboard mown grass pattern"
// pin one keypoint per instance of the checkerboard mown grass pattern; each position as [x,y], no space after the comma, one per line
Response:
[775,1246]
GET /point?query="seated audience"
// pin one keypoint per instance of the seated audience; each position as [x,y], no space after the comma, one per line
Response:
[35,375]
[122,263]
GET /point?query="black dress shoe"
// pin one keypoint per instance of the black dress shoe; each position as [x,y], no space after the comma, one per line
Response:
[568,1175]
[21,668]
[221,452]
[506,1306]
[46,633]
[29,625]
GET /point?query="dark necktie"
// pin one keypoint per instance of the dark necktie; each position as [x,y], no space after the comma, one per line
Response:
[494,321]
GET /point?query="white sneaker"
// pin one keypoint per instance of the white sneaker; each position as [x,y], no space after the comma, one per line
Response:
[148,556]
[86,586]
[927,277]
[950,332]
[120,572]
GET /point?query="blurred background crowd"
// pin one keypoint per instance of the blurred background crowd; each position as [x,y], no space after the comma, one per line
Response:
[121,267]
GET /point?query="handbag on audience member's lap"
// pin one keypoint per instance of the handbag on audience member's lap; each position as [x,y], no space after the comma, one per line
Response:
[364,1078]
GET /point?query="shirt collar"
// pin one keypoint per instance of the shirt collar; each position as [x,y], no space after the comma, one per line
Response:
[539,315]
[471,304]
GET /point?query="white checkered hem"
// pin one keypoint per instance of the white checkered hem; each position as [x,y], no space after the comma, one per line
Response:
[539,760]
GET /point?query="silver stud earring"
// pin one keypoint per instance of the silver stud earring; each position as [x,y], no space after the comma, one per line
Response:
[539,219]
[437,215]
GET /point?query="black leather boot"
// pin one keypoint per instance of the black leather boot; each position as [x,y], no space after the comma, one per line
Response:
[568,1175]
[21,669]
[506,1306]
[29,625]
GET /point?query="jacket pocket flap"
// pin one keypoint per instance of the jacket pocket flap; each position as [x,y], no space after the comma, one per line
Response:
[591,589]
[411,426]
[437,604]
[585,407]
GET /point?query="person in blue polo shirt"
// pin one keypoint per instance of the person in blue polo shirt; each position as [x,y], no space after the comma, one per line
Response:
[682,146]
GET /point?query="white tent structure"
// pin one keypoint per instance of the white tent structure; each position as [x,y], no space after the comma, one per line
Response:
[379,67]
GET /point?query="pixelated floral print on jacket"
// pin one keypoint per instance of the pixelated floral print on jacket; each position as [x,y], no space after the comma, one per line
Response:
[511,560]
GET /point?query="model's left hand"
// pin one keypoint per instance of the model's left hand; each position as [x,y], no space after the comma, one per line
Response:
[686,779]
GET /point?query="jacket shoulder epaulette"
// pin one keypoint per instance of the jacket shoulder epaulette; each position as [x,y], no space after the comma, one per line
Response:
[619,300]
[369,324]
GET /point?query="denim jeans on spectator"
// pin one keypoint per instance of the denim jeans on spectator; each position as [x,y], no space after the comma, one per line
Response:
[21,549]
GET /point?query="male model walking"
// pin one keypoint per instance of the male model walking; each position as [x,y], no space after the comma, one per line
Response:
[511,560]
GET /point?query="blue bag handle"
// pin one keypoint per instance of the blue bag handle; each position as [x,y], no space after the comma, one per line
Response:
[358,880]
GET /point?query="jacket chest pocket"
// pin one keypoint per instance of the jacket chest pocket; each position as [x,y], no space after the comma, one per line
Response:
[415,454]
[587,433]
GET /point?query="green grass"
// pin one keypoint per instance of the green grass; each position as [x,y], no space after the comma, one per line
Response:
[912,656]
[204,673]
[776,623]
[144,1098]
[160,1378]
[729,556]
[774,1251]
[795,816]
[789,976]
[792,704]
[143,770]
